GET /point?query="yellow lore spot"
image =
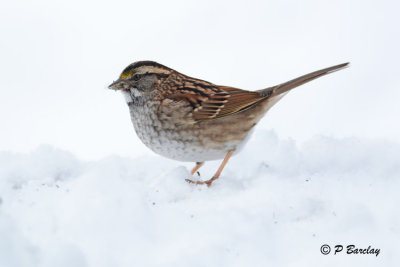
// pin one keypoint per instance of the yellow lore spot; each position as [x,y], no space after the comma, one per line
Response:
[127,74]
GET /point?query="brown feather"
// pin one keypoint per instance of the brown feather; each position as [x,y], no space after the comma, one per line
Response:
[284,87]
[210,101]
[238,100]
[227,101]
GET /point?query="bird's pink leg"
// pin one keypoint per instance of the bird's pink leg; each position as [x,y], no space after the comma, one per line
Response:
[216,175]
[196,168]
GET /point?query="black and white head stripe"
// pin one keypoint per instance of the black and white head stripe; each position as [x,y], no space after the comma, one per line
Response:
[145,68]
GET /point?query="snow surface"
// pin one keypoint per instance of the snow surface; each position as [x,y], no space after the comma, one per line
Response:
[275,205]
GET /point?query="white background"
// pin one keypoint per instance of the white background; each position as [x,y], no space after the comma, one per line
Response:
[322,167]
[57,58]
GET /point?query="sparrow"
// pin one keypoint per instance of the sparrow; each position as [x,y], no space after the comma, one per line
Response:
[193,120]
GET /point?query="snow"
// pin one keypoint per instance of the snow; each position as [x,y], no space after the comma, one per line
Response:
[275,204]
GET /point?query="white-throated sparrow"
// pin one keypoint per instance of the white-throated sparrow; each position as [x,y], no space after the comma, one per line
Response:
[188,119]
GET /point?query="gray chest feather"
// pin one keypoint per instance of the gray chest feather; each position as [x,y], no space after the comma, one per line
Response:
[178,142]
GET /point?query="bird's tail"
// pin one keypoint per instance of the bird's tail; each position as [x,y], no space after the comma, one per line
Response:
[284,87]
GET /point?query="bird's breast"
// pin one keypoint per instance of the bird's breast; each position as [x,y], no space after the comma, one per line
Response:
[191,142]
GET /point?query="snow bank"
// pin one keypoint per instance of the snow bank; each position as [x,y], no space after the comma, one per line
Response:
[275,204]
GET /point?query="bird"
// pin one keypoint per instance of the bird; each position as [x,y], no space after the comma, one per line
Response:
[193,120]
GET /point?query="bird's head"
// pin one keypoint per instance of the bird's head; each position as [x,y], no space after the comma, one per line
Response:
[140,78]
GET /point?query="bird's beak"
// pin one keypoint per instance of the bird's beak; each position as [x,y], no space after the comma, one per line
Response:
[116,85]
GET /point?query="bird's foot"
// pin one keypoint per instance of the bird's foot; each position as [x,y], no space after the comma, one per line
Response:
[208,182]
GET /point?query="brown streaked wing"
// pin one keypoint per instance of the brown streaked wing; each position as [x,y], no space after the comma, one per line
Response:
[211,101]
[238,100]
[205,99]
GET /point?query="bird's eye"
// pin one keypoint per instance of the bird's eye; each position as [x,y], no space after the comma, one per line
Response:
[136,77]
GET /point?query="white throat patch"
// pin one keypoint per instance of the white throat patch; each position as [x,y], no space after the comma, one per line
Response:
[127,96]
[131,93]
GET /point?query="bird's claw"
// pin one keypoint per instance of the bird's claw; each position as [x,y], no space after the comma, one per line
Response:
[208,182]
